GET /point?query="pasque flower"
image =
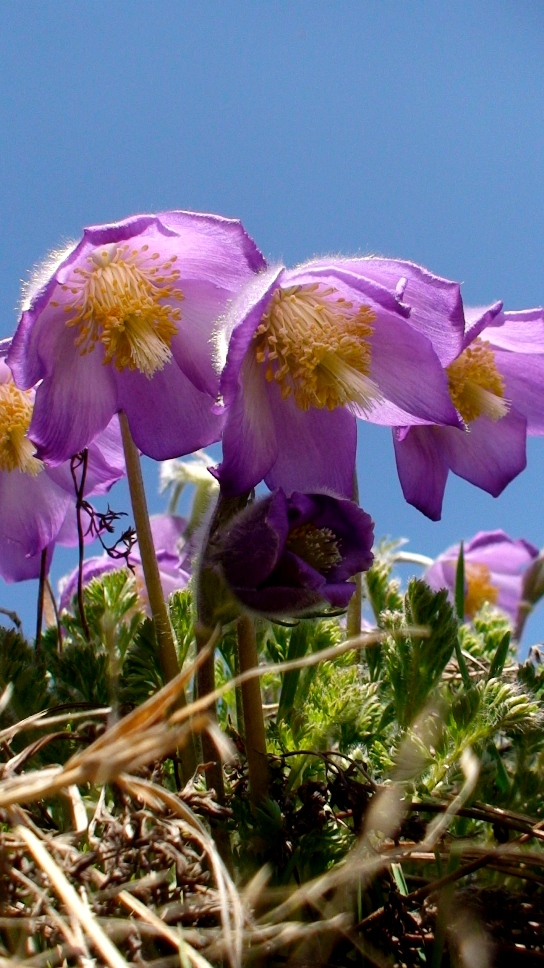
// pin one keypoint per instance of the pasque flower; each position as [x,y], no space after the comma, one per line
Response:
[122,321]
[497,385]
[37,502]
[290,556]
[494,568]
[173,557]
[308,350]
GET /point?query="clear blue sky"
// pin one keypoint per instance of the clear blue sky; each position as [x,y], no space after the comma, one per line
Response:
[405,129]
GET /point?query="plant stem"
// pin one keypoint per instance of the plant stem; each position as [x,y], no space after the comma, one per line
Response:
[255,735]
[81,461]
[355,607]
[41,594]
[161,621]
[206,684]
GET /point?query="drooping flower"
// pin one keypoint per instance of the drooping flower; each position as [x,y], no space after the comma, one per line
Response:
[173,558]
[122,321]
[308,350]
[289,556]
[37,502]
[497,385]
[494,570]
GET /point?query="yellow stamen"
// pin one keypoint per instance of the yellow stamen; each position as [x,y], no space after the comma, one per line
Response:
[16,450]
[315,346]
[122,303]
[317,546]
[476,386]
[480,588]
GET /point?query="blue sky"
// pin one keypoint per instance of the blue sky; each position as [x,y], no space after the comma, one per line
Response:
[413,130]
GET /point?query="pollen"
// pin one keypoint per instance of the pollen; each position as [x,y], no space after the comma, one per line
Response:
[318,547]
[124,301]
[480,588]
[16,450]
[476,386]
[315,345]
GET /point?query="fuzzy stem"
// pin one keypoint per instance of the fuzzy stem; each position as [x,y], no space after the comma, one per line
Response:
[80,489]
[214,771]
[255,736]
[41,594]
[355,607]
[161,621]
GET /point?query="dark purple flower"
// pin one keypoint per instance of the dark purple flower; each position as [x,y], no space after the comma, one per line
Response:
[122,321]
[308,350]
[497,384]
[37,502]
[173,558]
[290,556]
[494,569]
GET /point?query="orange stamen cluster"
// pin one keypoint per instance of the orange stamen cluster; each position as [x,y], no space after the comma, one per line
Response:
[480,588]
[124,301]
[16,450]
[476,386]
[314,344]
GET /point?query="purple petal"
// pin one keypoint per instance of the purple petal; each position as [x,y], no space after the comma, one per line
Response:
[490,454]
[105,464]
[168,416]
[255,541]
[32,510]
[478,318]
[235,333]
[519,332]
[352,526]
[316,448]
[422,470]
[70,411]
[499,552]
[433,301]
[409,375]
[16,566]
[250,447]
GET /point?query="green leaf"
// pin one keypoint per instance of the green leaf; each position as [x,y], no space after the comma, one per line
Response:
[497,664]
[460,585]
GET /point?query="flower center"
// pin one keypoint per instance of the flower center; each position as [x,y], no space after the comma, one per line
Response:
[121,303]
[16,450]
[476,386]
[480,588]
[316,347]
[318,547]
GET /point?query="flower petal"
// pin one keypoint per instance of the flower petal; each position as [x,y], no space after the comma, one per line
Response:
[250,447]
[32,510]
[490,454]
[407,371]
[315,448]
[422,470]
[168,416]
[69,413]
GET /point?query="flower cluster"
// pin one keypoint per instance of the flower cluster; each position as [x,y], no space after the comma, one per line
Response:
[175,321]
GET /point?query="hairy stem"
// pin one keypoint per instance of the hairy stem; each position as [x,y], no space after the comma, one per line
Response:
[355,607]
[161,621]
[255,736]
[41,595]
[80,461]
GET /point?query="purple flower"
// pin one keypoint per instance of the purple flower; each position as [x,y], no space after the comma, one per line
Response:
[37,502]
[122,321]
[494,569]
[289,556]
[497,385]
[308,350]
[173,556]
